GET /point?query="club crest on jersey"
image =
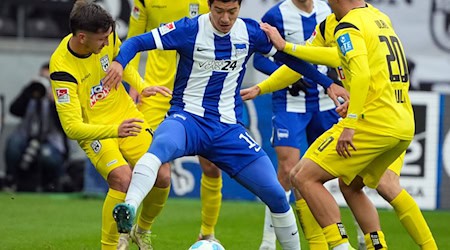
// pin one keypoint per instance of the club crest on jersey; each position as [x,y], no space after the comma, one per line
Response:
[345,44]
[240,48]
[96,146]
[105,62]
[193,9]
[282,133]
[166,28]
[98,92]
[136,12]
[62,95]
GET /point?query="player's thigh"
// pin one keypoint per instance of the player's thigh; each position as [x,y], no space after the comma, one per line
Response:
[134,147]
[321,122]
[369,146]
[289,129]
[105,155]
[377,167]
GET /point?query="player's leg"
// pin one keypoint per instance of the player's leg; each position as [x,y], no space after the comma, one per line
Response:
[260,178]
[405,207]
[211,197]
[108,161]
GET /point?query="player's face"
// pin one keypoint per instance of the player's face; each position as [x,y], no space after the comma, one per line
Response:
[94,42]
[224,14]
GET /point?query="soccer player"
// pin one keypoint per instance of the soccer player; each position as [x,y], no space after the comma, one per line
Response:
[389,187]
[362,145]
[160,70]
[104,121]
[297,115]
[204,118]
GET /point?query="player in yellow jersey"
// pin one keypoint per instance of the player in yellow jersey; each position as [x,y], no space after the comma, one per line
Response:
[104,120]
[389,187]
[376,76]
[160,70]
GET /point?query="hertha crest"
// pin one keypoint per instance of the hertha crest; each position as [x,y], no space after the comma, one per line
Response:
[193,10]
[440,24]
[105,62]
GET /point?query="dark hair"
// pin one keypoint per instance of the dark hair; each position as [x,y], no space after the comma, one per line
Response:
[88,16]
[45,66]
[210,2]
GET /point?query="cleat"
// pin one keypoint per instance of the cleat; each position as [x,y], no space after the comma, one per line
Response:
[124,216]
[124,242]
[142,239]
[209,237]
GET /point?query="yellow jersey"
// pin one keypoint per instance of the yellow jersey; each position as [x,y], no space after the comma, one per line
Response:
[87,109]
[161,65]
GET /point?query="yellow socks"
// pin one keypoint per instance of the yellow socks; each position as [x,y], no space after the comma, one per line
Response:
[412,219]
[152,206]
[110,235]
[336,235]
[312,230]
[375,241]
[211,198]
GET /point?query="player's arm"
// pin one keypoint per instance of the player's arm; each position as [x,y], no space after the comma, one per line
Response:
[137,26]
[64,87]
[354,54]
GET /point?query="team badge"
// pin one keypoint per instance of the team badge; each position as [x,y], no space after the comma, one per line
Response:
[240,48]
[105,62]
[96,146]
[62,95]
[168,27]
[136,12]
[193,9]
[282,133]
[345,44]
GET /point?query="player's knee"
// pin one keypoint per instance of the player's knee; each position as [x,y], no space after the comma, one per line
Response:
[163,179]
[210,169]
[119,179]
[277,202]
[389,186]
[345,190]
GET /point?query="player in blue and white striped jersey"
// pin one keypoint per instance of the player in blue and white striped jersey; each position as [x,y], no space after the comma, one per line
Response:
[301,112]
[206,108]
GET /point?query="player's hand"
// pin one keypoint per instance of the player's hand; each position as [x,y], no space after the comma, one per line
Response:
[151,91]
[344,141]
[250,93]
[335,91]
[130,127]
[113,75]
[342,109]
[278,42]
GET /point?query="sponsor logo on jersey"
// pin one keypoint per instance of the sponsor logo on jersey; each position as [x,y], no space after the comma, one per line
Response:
[219,65]
[96,146]
[166,28]
[345,44]
[111,162]
[98,92]
[62,95]
[104,61]
[193,9]
[241,48]
[136,12]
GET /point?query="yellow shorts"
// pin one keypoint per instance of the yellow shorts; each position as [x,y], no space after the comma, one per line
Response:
[109,154]
[397,165]
[374,154]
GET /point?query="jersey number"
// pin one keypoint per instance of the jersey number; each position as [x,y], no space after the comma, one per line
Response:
[250,141]
[229,65]
[395,58]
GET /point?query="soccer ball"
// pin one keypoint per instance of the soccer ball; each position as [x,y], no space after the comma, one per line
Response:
[206,245]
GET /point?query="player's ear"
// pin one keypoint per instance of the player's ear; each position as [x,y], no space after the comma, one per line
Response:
[82,37]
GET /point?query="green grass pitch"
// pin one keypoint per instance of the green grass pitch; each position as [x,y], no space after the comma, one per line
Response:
[50,221]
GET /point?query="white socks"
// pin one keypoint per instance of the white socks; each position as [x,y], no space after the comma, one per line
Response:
[285,226]
[143,179]
[269,238]
[343,246]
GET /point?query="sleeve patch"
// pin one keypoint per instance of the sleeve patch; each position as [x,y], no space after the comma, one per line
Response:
[167,28]
[136,12]
[62,95]
[345,44]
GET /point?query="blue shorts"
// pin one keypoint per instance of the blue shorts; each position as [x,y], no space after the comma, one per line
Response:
[291,129]
[229,146]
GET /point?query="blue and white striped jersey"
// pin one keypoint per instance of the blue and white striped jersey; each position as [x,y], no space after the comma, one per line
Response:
[296,26]
[211,64]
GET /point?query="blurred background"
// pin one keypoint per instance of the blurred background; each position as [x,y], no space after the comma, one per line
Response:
[31,29]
